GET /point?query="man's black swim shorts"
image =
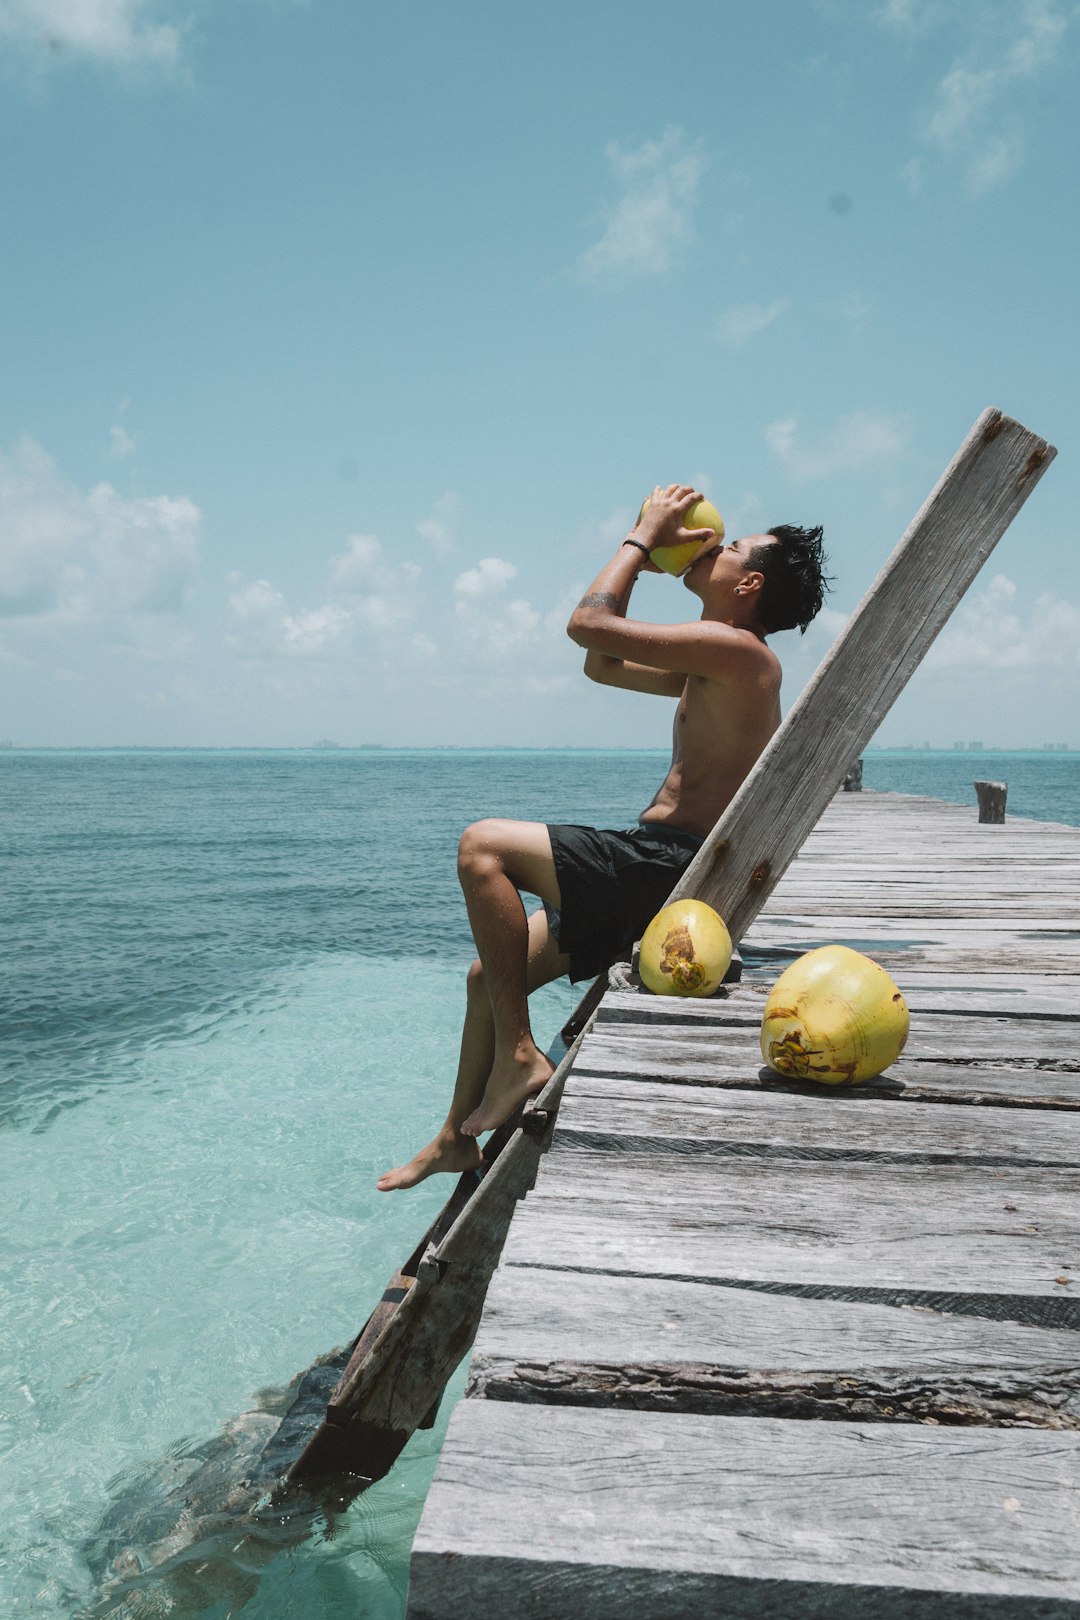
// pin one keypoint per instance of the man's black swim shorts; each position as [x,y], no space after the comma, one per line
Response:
[612,885]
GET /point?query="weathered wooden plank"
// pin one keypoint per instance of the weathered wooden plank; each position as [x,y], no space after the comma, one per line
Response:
[1021,995]
[658,1345]
[908,1080]
[855,860]
[538,1313]
[1016,877]
[1005,1241]
[672,1053]
[669,1118]
[954,927]
[997,993]
[670,1029]
[952,900]
[1041,1398]
[550,1512]
[866,669]
[1042,956]
[735,1026]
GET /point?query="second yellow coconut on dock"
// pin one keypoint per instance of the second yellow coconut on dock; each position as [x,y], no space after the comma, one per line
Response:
[685,951]
[833,1016]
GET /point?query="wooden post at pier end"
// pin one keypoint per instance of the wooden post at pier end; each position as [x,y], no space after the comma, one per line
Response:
[991,797]
[864,672]
[402,1364]
[853,779]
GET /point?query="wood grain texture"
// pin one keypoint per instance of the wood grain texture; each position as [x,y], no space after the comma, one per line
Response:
[656,1345]
[605,1514]
[668,1118]
[542,1314]
[1020,995]
[866,669]
[1000,1236]
[1045,1398]
[991,797]
[960,1080]
[933,1035]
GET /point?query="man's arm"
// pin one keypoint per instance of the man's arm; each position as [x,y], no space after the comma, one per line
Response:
[664,653]
[631,677]
[700,648]
[616,581]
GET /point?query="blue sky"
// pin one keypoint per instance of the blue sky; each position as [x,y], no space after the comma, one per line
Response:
[339,345]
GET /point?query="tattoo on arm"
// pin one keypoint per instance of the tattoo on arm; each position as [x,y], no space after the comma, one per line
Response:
[600,599]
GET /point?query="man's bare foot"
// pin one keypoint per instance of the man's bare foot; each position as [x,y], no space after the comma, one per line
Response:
[446,1152]
[509,1083]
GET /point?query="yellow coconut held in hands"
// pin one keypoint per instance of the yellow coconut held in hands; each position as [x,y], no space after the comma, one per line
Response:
[685,951]
[702,515]
[833,1016]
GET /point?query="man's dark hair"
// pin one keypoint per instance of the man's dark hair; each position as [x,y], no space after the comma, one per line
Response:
[793,564]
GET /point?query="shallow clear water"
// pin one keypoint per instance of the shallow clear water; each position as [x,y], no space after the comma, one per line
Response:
[232,987]
[231,991]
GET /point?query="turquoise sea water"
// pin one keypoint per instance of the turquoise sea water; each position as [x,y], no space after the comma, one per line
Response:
[231,986]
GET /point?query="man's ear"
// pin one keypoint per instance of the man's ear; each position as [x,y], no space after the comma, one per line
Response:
[752,583]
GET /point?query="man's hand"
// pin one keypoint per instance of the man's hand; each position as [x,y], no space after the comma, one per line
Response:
[661,524]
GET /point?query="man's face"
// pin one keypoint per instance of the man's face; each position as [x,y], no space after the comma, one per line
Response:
[720,568]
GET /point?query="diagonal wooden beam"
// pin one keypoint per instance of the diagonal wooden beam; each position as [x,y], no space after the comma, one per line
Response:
[860,678]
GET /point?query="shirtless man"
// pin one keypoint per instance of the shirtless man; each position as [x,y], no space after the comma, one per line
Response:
[600,889]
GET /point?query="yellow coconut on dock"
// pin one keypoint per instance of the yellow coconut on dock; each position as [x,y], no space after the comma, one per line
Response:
[833,1016]
[685,951]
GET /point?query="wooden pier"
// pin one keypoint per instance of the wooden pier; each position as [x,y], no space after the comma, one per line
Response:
[757,1348]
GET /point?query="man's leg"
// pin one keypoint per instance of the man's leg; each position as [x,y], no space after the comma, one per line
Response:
[496,860]
[451,1150]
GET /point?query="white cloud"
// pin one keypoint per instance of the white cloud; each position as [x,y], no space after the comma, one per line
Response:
[998,159]
[912,175]
[438,527]
[961,96]
[651,219]
[988,632]
[121,444]
[741,322]
[1037,46]
[120,32]
[72,557]
[366,597]
[262,627]
[311,631]
[968,119]
[359,566]
[495,625]
[855,440]
[909,16]
[487,580]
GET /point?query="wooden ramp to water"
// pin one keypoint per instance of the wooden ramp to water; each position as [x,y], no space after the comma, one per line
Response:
[763,1349]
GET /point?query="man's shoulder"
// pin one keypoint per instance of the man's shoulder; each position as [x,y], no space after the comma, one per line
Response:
[746,656]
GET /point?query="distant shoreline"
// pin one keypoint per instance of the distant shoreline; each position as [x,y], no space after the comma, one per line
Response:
[386,749]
